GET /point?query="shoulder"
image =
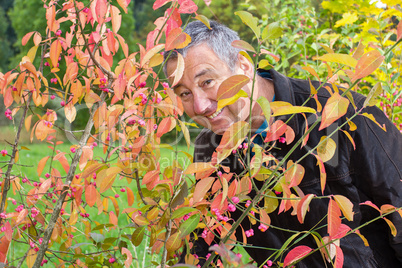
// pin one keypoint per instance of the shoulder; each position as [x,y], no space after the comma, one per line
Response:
[205,144]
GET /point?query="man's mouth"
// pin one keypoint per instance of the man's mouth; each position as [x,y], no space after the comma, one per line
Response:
[212,116]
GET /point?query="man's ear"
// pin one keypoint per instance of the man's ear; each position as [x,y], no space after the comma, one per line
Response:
[245,65]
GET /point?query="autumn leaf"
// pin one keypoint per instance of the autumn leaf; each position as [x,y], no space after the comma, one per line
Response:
[230,86]
[187,7]
[90,195]
[129,260]
[334,217]
[225,102]
[335,108]
[177,39]
[367,64]
[178,73]
[296,254]
[158,3]
[294,173]
[373,94]
[338,58]
[201,188]
[272,31]
[174,242]
[326,148]
[345,205]
[240,44]
[303,207]
[204,20]
[284,108]
[41,165]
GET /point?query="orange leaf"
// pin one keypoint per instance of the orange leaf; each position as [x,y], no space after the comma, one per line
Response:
[113,219]
[26,37]
[230,86]
[108,180]
[174,242]
[44,186]
[177,39]
[130,196]
[21,216]
[296,254]
[129,259]
[335,108]
[294,173]
[323,173]
[31,257]
[116,18]
[367,64]
[199,167]
[42,164]
[371,117]
[399,31]
[334,218]
[201,188]
[264,217]
[90,195]
[350,138]
[303,206]
[345,205]
[55,50]
[165,126]
[391,226]
[311,71]
[8,231]
[123,4]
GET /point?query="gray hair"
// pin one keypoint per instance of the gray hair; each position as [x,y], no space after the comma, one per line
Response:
[219,38]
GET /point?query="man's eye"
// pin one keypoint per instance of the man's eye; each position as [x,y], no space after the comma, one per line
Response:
[184,94]
[207,82]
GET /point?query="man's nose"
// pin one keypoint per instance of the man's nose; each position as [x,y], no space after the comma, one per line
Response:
[202,103]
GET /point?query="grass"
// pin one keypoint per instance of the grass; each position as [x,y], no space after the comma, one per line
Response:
[29,157]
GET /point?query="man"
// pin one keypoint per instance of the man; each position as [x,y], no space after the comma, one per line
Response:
[371,172]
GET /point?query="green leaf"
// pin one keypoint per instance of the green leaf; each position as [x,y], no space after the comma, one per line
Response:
[97,237]
[179,198]
[138,236]
[250,21]
[272,31]
[204,20]
[371,97]
[180,212]
[101,226]
[265,106]
[189,225]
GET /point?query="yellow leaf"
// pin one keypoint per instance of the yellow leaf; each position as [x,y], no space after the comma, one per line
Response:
[225,102]
[371,117]
[230,86]
[345,205]
[338,58]
[150,53]
[178,73]
[198,167]
[284,108]
[326,148]
[31,257]
[347,18]
[204,20]
[32,53]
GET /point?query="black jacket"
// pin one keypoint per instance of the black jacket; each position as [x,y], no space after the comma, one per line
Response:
[371,172]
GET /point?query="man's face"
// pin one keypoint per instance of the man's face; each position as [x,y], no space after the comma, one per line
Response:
[198,88]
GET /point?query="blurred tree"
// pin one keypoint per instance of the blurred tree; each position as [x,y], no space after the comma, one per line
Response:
[5,44]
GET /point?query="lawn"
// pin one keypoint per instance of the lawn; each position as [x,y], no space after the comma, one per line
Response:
[29,157]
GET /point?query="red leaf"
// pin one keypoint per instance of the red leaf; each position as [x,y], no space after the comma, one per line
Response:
[164,126]
[9,231]
[188,7]
[342,231]
[334,218]
[335,108]
[90,195]
[369,203]
[177,39]
[277,129]
[120,86]
[296,254]
[339,258]
[159,3]
[100,11]
[399,30]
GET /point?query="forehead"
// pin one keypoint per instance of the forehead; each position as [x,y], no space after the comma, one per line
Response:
[198,58]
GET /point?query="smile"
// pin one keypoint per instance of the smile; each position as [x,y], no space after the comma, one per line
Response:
[215,114]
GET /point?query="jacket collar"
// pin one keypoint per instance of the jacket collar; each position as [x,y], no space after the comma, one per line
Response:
[284,92]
